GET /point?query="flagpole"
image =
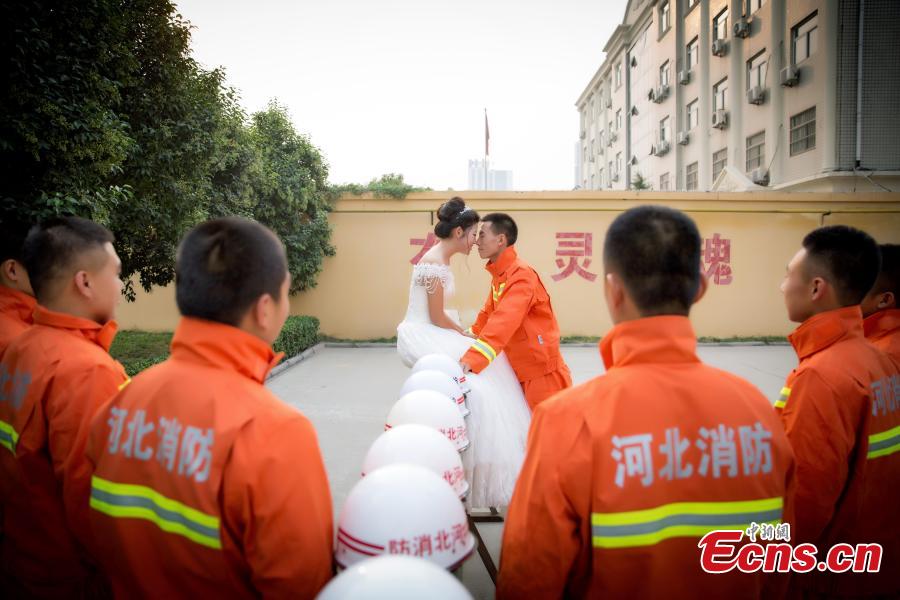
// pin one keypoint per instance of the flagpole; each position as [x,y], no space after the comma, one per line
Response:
[487,137]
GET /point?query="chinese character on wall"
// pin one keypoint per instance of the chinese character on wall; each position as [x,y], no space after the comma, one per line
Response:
[427,243]
[716,256]
[574,246]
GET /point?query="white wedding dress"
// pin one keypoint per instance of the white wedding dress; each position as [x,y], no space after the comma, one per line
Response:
[499,419]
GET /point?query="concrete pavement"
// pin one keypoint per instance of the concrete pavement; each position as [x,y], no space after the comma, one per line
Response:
[347,393]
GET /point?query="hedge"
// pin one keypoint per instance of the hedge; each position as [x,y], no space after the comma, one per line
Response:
[298,334]
[139,350]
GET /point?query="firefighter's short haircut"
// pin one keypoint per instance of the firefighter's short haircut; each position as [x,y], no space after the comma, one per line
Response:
[503,223]
[224,266]
[57,248]
[846,257]
[889,278]
[656,252]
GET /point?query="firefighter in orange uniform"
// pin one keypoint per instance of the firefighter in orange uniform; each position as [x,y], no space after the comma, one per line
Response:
[626,473]
[56,375]
[517,317]
[17,301]
[841,411]
[205,484]
[880,311]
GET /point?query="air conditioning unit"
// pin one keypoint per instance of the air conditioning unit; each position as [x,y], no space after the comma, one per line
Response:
[684,77]
[760,176]
[612,137]
[683,138]
[742,28]
[719,48]
[662,147]
[790,76]
[661,93]
[614,176]
[720,119]
[756,95]
[609,102]
[651,95]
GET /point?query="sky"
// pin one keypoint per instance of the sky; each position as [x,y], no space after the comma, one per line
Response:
[400,86]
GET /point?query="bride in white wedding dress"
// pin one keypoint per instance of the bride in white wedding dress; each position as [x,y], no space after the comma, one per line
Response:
[499,419]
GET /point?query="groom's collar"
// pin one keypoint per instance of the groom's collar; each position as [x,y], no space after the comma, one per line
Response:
[503,262]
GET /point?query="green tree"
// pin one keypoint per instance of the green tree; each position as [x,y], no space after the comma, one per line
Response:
[290,192]
[639,182]
[107,116]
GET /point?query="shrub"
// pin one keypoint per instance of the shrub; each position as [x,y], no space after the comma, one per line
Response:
[298,334]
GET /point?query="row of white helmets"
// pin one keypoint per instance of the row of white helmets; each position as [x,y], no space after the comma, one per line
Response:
[403,525]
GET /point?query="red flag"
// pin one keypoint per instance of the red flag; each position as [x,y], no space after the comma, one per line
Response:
[487,135]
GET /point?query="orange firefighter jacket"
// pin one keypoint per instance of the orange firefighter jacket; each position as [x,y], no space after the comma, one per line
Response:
[517,317]
[16,309]
[841,411]
[205,484]
[624,475]
[55,376]
[883,330]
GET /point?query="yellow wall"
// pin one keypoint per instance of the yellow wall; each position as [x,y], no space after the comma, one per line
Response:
[362,291]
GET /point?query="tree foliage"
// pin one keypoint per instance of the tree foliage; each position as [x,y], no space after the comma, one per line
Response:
[390,185]
[639,182]
[107,116]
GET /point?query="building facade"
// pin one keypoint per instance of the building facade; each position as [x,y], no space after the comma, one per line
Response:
[787,94]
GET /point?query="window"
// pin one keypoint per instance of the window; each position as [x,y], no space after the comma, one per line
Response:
[618,75]
[756,150]
[720,25]
[664,133]
[618,163]
[619,119]
[600,179]
[592,149]
[693,114]
[664,74]
[756,70]
[611,175]
[692,3]
[803,38]
[664,182]
[691,176]
[584,157]
[602,142]
[720,159]
[803,131]
[693,53]
[754,5]
[664,17]
[610,126]
[720,94]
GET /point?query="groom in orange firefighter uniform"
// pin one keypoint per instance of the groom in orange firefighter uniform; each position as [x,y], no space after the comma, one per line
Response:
[517,317]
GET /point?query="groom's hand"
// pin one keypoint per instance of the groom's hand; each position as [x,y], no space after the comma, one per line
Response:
[465,367]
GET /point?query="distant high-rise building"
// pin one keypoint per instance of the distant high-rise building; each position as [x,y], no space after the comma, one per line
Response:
[789,94]
[497,180]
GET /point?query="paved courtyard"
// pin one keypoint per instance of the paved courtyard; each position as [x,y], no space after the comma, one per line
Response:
[347,392]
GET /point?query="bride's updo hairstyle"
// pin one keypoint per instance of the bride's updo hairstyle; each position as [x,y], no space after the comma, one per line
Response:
[452,214]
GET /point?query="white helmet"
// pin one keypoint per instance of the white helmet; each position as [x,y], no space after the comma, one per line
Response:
[444,364]
[437,381]
[403,509]
[433,409]
[396,577]
[418,445]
